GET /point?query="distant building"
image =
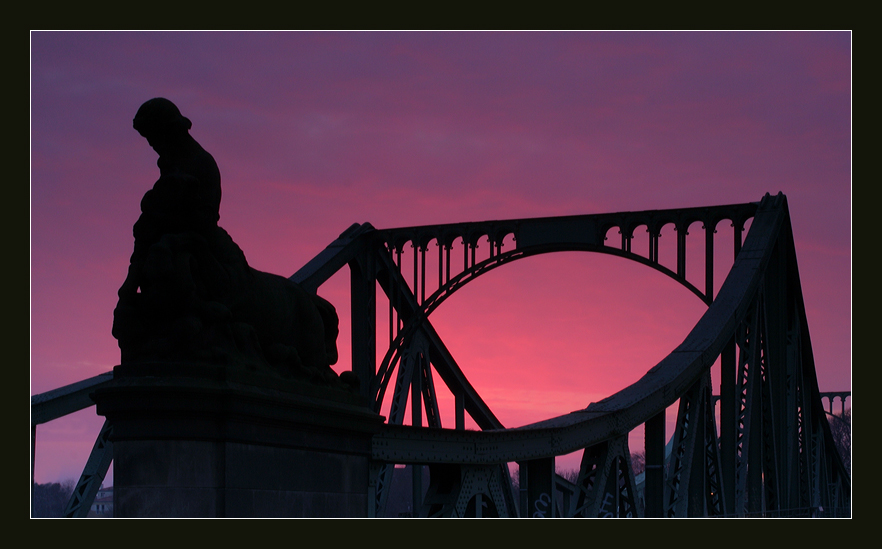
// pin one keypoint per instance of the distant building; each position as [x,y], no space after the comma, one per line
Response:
[102,507]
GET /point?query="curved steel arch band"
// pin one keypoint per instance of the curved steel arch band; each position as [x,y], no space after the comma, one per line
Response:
[432,302]
[621,412]
[455,283]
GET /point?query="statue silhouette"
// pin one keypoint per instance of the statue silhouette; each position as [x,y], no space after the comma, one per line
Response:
[190,294]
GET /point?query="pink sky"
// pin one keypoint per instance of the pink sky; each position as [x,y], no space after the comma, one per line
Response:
[315,131]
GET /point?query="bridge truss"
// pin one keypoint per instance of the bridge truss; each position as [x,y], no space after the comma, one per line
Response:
[762,447]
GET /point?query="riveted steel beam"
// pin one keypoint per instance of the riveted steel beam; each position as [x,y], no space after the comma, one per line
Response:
[93,475]
[66,400]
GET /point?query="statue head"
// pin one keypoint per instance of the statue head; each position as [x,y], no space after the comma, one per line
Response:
[159,118]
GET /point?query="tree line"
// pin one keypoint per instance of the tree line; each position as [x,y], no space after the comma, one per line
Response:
[50,500]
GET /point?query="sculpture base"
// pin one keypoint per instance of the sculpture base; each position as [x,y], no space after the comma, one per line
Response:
[194,440]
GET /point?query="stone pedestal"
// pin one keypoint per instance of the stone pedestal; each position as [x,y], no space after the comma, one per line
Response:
[193,440]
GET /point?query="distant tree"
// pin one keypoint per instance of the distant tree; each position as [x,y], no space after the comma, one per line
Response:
[51,499]
[840,426]
[638,462]
[571,475]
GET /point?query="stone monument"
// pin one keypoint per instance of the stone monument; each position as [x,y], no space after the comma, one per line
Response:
[224,402]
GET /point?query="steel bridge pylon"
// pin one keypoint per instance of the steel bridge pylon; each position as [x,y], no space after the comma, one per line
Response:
[765,449]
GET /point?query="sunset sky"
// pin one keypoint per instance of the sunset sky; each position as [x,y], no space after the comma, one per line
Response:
[314,131]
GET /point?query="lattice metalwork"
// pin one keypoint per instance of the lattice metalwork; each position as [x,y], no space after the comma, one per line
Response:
[467,491]
[606,486]
[93,475]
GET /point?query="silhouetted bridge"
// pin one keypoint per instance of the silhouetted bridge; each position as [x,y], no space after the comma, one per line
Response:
[766,448]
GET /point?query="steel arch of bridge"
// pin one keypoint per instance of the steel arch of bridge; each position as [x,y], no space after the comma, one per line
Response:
[770,410]
[534,237]
[774,453]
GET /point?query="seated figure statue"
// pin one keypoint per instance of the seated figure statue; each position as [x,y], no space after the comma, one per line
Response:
[190,294]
